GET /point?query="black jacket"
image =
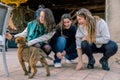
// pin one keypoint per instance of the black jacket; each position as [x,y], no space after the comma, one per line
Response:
[69,35]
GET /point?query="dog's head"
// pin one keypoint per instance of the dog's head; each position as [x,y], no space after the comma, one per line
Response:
[20,40]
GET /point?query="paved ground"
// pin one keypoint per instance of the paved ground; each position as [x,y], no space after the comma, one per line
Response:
[67,72]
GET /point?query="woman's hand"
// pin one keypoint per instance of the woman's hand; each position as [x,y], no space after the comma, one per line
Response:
[64,53]
[8,36]
[79,66]
[61,55]
[80,62]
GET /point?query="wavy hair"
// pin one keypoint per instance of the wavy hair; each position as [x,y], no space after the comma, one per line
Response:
[91,23]
[49,19]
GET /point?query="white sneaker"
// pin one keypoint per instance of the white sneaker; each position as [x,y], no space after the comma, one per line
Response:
[57,65]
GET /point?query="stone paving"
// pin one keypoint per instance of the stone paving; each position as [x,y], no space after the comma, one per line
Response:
[67,72]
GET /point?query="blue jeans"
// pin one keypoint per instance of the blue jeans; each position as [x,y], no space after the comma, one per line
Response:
[60,46]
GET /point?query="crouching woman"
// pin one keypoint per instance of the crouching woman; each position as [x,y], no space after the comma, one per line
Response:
[93,37]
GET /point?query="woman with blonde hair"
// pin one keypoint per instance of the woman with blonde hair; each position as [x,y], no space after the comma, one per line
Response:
[93,37]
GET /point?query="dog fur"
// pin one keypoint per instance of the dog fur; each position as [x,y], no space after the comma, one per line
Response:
[31,55]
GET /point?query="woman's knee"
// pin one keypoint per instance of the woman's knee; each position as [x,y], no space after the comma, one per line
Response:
[61,40]
[112,47]
[84,44]
[61,43]
[47,49]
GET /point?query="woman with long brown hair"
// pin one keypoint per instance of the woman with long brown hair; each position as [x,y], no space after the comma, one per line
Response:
[63,42]
[40,30]
[93,37]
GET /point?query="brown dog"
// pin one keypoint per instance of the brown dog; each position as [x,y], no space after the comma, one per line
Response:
[31,55]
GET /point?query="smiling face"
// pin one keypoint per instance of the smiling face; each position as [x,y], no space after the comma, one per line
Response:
[81,20]
[42,17]
[67,23]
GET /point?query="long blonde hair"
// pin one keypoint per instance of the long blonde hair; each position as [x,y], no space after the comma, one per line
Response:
[91,23]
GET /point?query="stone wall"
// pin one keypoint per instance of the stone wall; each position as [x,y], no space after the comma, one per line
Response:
[113,18]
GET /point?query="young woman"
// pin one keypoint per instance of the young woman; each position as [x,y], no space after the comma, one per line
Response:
[63,41]
[40,30]
[92,37]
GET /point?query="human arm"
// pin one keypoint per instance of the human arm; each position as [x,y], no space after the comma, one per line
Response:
[80,61]
[56,35]
[12,37]
[24,33]
[102,30]
[8,36]
[80,35]
[42,38]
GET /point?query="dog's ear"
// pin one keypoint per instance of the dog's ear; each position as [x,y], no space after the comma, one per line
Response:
[23,40]
[17,40]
